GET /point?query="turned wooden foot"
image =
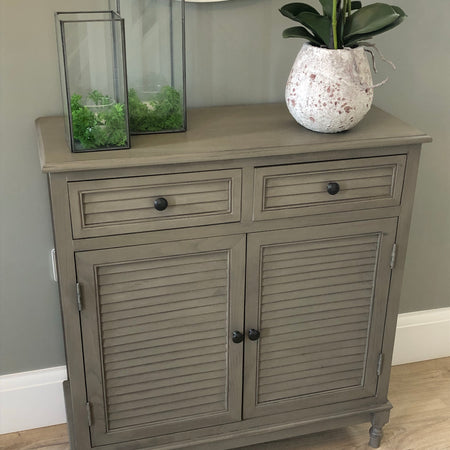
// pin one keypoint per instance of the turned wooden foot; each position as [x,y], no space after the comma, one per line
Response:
[375,437]
[376,431]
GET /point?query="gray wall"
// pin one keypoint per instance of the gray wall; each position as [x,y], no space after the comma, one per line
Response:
[234,55]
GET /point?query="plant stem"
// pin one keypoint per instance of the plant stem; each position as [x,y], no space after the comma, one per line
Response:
[334,24]
[347,8]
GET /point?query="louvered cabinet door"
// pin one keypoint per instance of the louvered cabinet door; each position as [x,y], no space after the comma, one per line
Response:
[318,297]
[157,322]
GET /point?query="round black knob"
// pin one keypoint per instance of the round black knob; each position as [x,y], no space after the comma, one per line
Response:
[333,188]
[238,337]
[253,335]
[160,204]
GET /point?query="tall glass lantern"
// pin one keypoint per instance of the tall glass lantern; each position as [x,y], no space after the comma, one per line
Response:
[91,48]
[155,64]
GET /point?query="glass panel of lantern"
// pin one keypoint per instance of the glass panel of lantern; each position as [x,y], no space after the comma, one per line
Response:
[91,48]
[155,42]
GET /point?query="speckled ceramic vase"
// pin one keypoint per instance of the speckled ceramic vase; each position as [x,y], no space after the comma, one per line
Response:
[329,90]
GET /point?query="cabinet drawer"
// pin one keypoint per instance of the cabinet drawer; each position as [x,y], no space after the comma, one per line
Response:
[302,189]
[126,205]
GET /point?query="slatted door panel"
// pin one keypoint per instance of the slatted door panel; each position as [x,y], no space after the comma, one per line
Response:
[318,297]
[156,331]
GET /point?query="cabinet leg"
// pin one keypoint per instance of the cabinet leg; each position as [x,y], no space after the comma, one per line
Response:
[376,431]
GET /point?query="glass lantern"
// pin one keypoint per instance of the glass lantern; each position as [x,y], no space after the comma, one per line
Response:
[91,48]
[155,64]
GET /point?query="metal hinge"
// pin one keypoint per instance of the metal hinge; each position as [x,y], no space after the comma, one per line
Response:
[89,414]
[380,364]
[393,256]
[79,304]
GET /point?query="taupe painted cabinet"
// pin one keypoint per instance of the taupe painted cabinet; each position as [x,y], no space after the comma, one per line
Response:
[234,284]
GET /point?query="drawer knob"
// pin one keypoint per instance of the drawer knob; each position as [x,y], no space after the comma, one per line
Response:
[333,188]
[253,335]
[161,204]
[238,337]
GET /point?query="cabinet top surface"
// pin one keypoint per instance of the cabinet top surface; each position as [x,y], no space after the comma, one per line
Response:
[223,133]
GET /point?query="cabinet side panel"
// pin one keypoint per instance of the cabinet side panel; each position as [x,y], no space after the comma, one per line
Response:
[397,273]
[70,314]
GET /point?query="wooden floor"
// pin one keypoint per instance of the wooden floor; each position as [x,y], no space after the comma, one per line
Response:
[420,419]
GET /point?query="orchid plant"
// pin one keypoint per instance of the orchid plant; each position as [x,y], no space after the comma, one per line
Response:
[344,23]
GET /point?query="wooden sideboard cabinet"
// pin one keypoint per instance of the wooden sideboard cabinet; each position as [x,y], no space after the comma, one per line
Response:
[234,284]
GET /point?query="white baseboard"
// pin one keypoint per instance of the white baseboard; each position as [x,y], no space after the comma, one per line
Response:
[32,399]
[35,399]
[422,335]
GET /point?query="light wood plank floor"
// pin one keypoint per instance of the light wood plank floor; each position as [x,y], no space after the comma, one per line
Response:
[420,419]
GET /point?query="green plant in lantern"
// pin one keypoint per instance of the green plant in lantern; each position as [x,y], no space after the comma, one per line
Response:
[163,111]
[99,99]
[344,23]
[102,128]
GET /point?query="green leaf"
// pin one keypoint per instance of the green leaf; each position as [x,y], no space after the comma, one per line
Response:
[327,6]
[292,10]
[369,19]
[300,32]
[399,11]
[319,25]
[353,40]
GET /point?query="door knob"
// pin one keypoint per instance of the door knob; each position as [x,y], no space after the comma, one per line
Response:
[253,335]
[333,188]
[238,337]
[161,204]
